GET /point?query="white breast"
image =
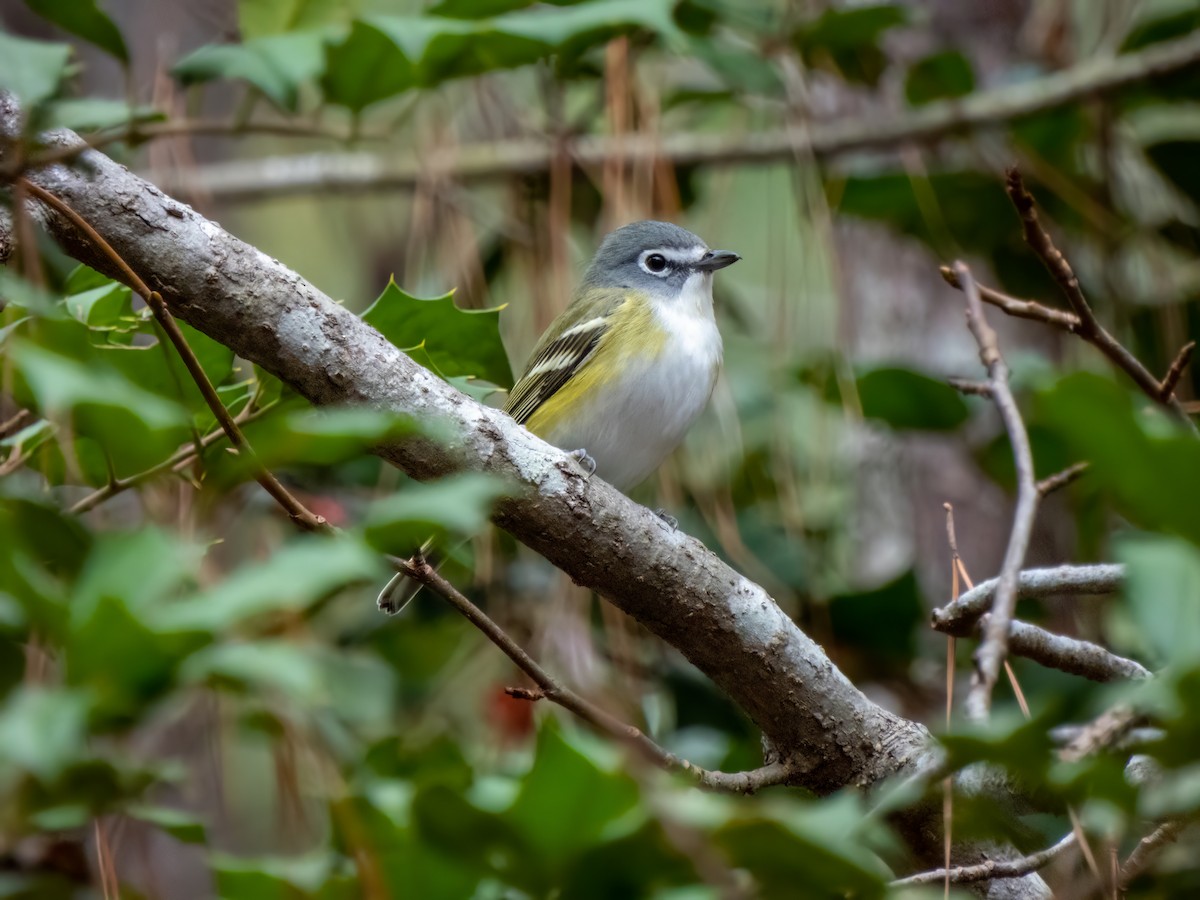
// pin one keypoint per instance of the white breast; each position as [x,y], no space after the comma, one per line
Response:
[645,414]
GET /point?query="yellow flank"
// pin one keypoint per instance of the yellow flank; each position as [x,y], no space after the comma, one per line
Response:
[634,332]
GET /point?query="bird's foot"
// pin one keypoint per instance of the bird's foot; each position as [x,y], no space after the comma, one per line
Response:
[585,461]
[672,522]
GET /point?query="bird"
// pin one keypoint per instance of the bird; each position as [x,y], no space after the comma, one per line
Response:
[618,378]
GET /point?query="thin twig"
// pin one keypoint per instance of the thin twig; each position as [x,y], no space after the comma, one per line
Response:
[1166,387]
[421,571]
[1148,847]
[958,618]
[1058,480]
[176,462]
[1020,309]
[989,657]
[970,386]
[1104,731]
[299,513]
[1067,654]
[1089,329]
[990,869]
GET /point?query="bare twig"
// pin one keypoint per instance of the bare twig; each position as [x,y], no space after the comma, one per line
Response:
[1089,329]
[989,657]
[1020,309]
[1052,483]
[1148,847]
[299,513]
[970,386]
[420,570]
[991,869]
[176,462]
[958,618]
[1067,654]
[1167,387]
[1104,731]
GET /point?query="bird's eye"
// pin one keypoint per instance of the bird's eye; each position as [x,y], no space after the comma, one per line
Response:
[656,262]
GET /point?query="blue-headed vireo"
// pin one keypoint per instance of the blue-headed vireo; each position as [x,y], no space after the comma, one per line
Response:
[623,372]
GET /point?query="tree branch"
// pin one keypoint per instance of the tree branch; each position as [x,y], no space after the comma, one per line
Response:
[989,657]
[990,869]
[360,171]
[1089,329]
[1067,654]
[958,618]
[421,571]
[1148,847]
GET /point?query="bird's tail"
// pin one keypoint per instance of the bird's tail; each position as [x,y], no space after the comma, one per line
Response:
[397,593]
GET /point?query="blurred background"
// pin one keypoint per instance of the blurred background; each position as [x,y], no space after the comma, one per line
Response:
[846,150]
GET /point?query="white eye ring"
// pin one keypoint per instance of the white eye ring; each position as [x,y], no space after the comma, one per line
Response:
[655,263]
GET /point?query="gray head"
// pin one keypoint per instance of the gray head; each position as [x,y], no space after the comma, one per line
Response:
[654,256]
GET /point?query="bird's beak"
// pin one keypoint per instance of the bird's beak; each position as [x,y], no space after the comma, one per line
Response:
[716,259]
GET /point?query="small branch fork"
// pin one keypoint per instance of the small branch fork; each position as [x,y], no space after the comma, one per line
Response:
[419,569]
[294,508]
[1081,319]
[990,655]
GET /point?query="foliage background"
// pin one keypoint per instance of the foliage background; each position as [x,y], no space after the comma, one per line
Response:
[199,702]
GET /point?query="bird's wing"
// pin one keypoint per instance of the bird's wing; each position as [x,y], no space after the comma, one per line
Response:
[561,352]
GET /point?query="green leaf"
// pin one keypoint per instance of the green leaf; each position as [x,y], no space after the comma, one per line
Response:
[276,64]
[476,9]
[480,840]
[1139,458]
[83,18]
[459,342]
[939,76]
[566,784]
[32,70]
[178,824]
[849,39]
[820,846]
[270,877]
[101,307]
[365,67]
[292,579]
[907,399]
[1162,586]
[42,730]
[458,505]
[259,18]
[95,113]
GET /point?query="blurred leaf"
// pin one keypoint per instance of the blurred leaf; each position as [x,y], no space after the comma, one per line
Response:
[460,342]
[275,64]
[1021,746]
[178,824]
[101,307]
[1177,161]
[95,113]
[259,18]
[567,785]
[1100,423]
[28,438]
[42,730]
[140,568]
[939,76]
[642,863]
[32,70]
[385,55]
[849,38]
[83,18]
[907,399]
[477,9]
[291,579]
[448,821]
[458,505]
[881,624]
[270,877]
[1162,586]
[818,848]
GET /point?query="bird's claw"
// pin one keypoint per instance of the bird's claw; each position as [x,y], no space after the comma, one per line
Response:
[672,522]
[585,461]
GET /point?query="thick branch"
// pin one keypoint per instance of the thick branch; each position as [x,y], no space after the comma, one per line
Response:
[361,171]
[958,618]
